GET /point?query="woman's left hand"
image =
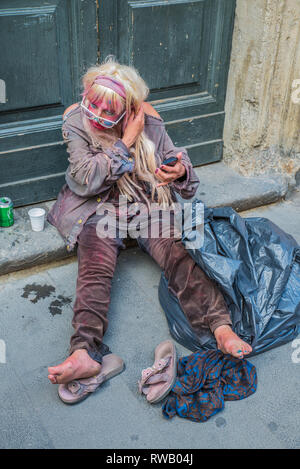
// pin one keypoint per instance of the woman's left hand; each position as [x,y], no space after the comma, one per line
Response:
[170,173]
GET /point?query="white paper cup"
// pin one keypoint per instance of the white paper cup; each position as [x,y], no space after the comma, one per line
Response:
[37,218]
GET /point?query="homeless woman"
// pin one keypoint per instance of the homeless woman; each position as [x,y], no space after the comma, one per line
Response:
[117,144]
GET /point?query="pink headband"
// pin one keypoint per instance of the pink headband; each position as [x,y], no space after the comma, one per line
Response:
[110,83]
[114,85]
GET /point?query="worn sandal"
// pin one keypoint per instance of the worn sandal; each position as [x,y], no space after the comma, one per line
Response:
[158,380]
[79,389]
[148,375]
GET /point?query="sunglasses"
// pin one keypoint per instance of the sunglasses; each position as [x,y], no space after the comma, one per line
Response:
[100,120]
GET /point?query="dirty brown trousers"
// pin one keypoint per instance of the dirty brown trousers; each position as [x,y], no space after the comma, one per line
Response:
[199,297]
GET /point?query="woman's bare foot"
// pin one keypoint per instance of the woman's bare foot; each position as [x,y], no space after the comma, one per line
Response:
[78,365]
[229,342]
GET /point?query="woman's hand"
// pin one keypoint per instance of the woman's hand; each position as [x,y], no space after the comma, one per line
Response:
[170,173]
[134,127]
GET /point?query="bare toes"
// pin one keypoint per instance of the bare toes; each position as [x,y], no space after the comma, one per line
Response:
[52,379]
[66,377]
[61,374]
[237,354]
[55,370]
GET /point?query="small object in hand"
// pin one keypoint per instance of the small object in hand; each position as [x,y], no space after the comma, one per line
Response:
[170,161]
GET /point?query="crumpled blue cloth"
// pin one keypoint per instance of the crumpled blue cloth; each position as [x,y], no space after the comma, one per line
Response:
[205,380]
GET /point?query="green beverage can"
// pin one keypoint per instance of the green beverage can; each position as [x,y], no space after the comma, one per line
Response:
[6,212]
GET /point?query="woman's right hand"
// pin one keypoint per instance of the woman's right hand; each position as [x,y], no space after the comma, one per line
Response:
[134,127]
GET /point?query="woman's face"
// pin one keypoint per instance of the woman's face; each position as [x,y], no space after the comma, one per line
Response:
[105,110]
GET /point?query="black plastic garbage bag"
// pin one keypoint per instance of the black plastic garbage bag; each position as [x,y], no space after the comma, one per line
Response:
[256,266]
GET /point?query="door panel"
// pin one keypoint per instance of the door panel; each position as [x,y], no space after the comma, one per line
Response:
[27,46]
[181,48]
[49,47]
[171,57]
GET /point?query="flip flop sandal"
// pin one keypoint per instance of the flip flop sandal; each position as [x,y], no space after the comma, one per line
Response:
[158,380]
[79,389]
[148,375]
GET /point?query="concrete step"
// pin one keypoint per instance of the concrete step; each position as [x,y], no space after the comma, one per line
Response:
[21,248]
[285,214]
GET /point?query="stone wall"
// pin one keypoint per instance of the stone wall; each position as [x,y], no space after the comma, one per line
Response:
[262,124]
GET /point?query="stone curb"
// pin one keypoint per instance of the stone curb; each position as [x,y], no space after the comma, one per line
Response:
[21,248]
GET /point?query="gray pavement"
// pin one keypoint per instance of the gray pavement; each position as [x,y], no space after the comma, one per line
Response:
[35,323]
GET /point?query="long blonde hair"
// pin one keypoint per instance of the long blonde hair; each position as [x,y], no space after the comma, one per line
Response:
[144,149]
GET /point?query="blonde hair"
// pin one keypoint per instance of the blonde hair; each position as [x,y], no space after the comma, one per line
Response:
[144,149]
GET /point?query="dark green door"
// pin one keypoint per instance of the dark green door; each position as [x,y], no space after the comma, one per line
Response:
[181,48]
[45,46]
